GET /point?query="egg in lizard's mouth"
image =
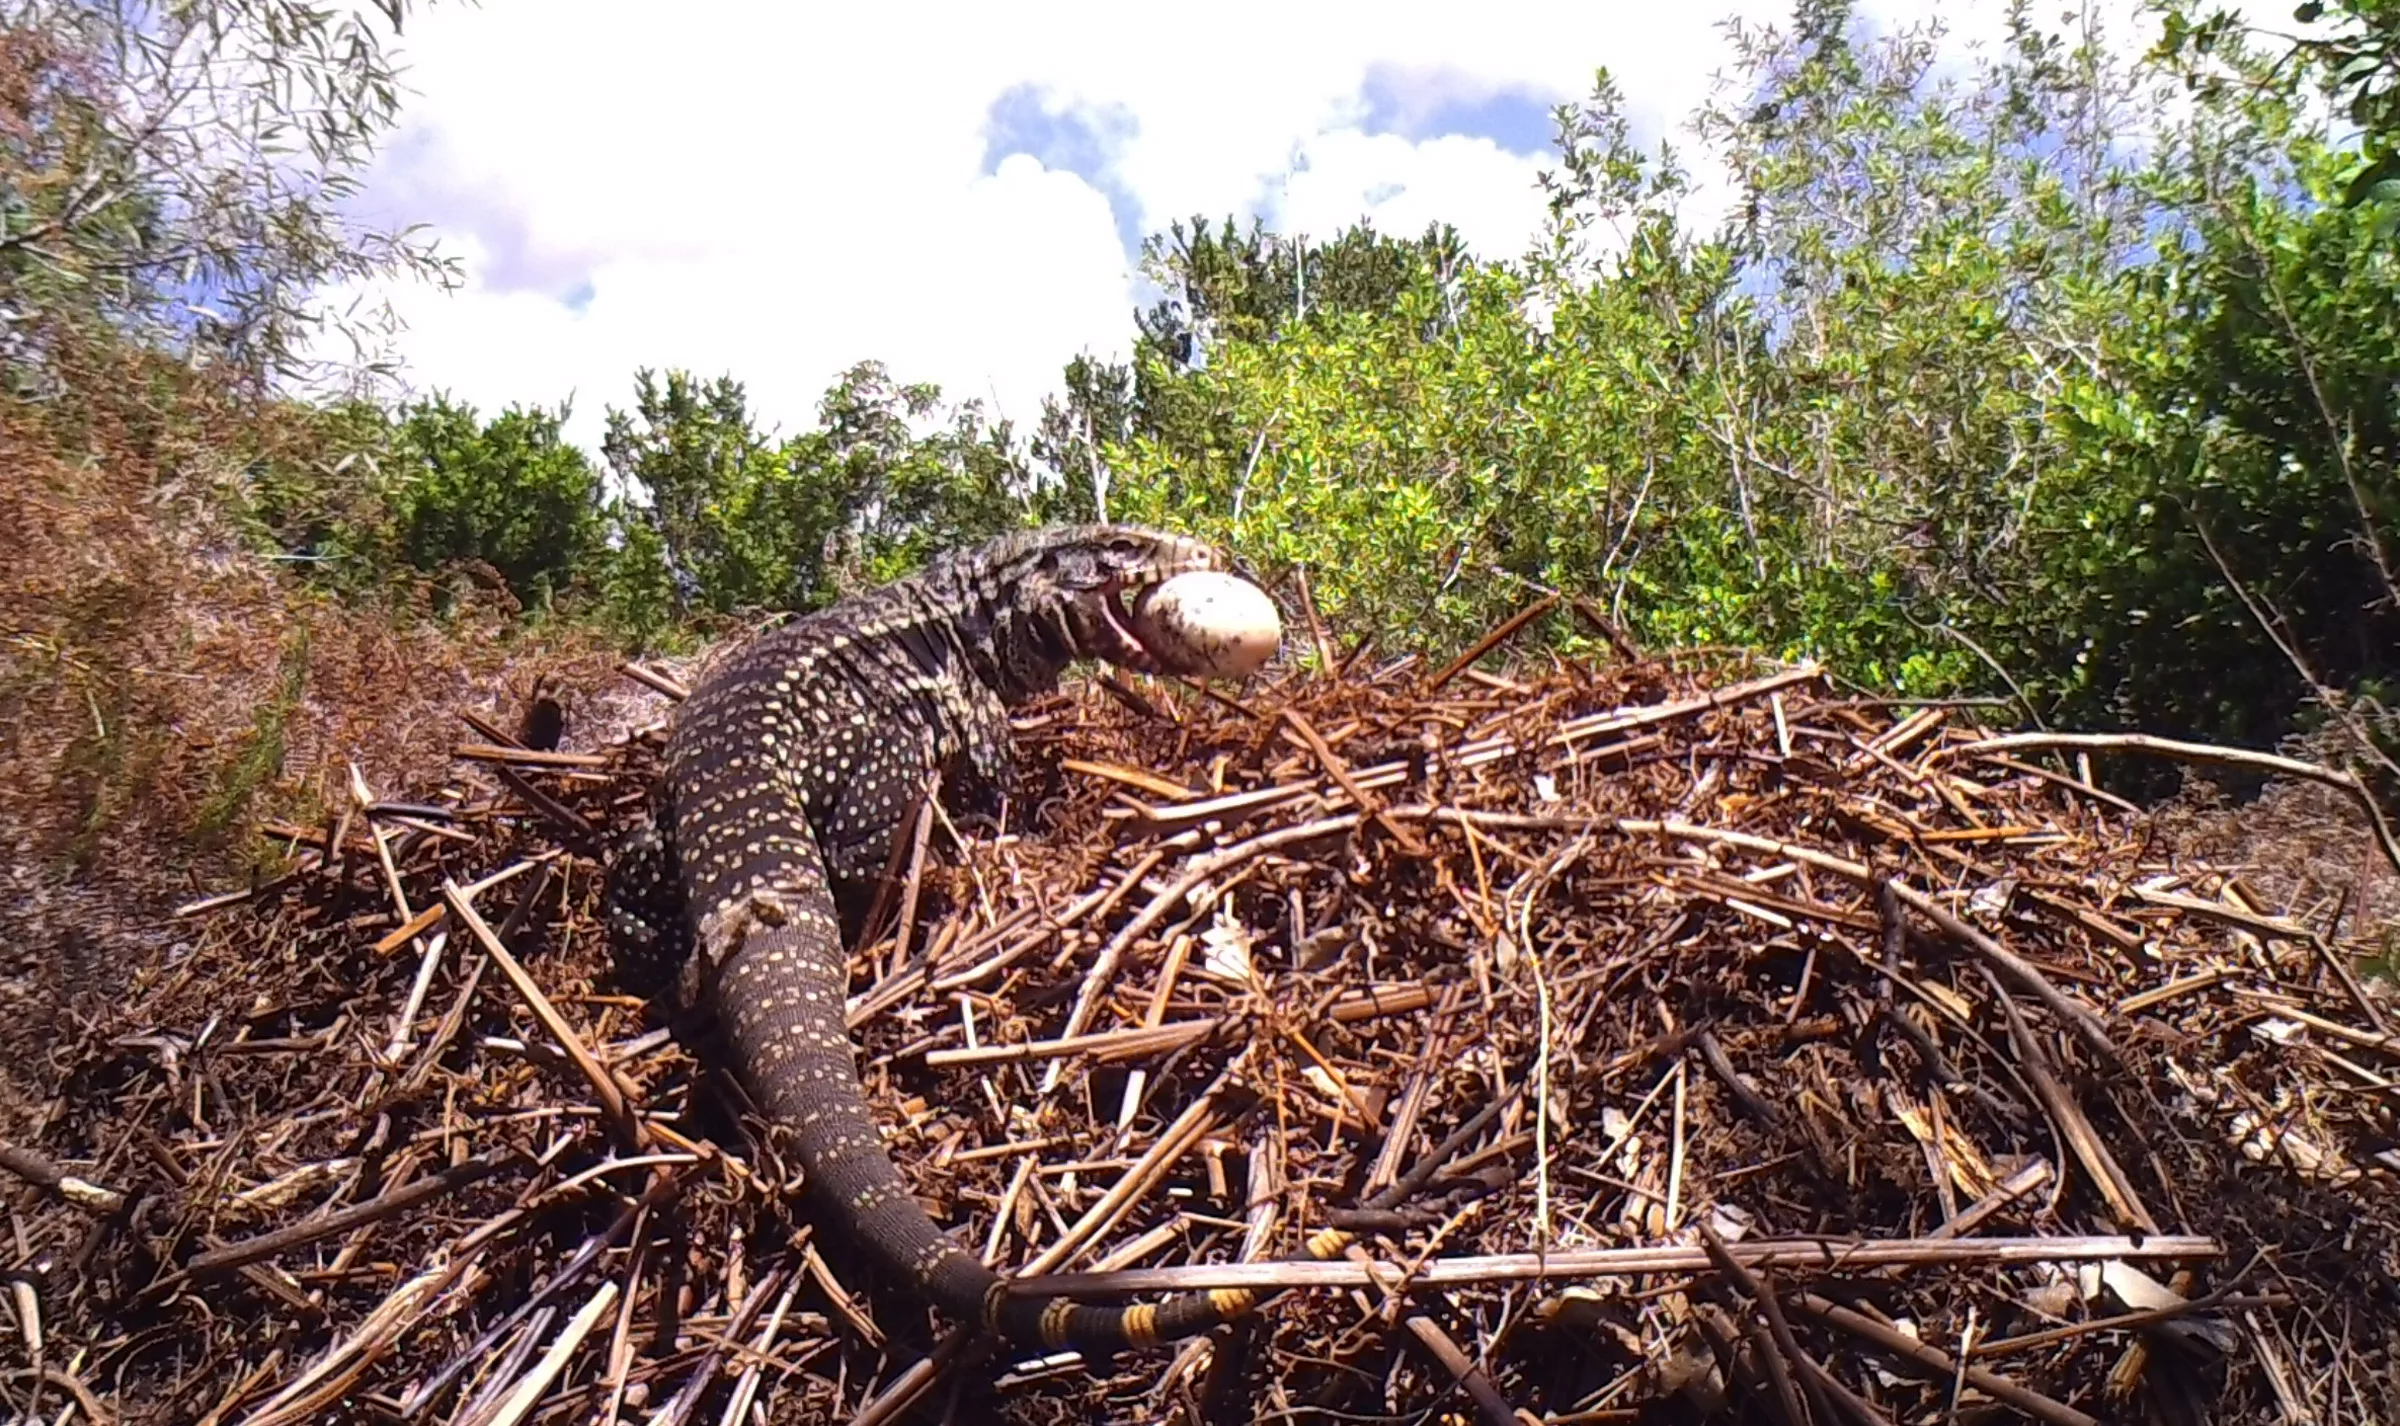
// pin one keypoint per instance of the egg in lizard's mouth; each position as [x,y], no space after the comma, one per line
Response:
[1201,622]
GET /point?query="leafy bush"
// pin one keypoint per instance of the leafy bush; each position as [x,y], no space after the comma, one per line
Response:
[510,494]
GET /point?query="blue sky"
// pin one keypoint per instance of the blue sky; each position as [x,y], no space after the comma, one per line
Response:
[778,190]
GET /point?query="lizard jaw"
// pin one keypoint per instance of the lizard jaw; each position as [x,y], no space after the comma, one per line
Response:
[1092,611]
[1121,595]
[1132,652]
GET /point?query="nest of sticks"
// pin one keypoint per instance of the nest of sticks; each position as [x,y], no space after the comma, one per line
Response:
[1682,1044]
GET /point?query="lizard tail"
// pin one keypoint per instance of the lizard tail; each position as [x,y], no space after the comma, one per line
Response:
[782,1001]
[1060,1322]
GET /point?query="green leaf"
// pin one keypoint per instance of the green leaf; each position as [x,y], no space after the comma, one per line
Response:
[2374,183]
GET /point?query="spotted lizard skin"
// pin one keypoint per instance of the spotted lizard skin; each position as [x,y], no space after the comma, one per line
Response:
[787,774]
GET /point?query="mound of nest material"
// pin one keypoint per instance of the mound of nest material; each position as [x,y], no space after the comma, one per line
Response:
[1680,1046]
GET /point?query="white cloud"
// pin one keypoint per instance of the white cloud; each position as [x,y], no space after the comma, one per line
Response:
[776,191]
[1488,195]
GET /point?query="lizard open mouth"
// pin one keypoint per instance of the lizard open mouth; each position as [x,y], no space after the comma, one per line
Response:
[1104,614]
[1120,601]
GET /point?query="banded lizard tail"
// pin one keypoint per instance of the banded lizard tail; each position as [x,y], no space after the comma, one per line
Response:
[787,773]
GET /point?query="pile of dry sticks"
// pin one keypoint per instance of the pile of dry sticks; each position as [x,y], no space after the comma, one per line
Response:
[1682,1042]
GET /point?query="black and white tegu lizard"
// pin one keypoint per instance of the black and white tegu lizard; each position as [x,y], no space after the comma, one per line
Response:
[787,774]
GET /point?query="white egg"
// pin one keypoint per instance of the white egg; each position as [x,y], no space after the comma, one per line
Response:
[1215,624]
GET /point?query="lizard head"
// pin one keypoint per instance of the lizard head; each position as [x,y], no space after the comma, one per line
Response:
[1067,592]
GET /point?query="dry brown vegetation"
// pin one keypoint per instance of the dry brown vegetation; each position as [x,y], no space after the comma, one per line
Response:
[2301,845]
[164,690]
[1702,1044]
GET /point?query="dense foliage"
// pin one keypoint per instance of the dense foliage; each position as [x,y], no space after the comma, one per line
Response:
[1967,395]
